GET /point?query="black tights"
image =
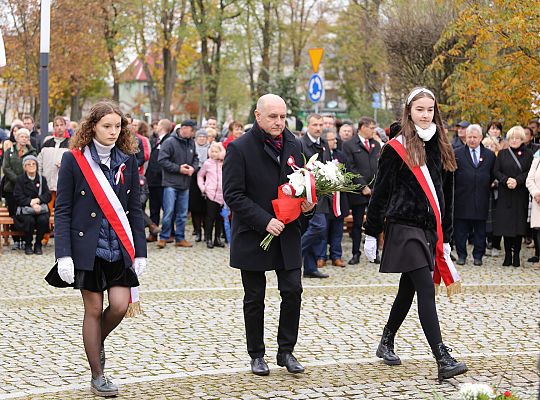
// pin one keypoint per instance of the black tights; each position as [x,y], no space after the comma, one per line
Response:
[98,324]
[421,282]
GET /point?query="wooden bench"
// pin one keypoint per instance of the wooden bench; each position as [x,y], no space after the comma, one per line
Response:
[6,227]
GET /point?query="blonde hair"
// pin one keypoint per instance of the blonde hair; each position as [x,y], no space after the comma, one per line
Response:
[489,141]
[515,131]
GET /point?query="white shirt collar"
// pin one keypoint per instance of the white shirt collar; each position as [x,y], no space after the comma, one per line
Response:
[314,140]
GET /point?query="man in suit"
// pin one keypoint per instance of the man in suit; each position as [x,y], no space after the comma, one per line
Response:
[473,179]
[255,165]
[312,143]
[362,154]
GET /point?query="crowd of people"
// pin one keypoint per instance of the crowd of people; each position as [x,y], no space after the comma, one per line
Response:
[496,199]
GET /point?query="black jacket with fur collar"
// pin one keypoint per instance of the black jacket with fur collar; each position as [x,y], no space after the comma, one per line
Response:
[398,197]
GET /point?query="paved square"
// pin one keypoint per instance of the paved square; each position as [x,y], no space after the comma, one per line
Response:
[190,342]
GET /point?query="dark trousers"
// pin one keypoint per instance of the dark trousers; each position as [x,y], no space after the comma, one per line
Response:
[462,228]
[39,223]
[290,290]
[312,239]
[12,209]
[155,197]
[333,238]
[213,217]
[420,282]
[358,212]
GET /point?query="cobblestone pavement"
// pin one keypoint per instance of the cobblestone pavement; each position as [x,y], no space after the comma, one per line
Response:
[190,342]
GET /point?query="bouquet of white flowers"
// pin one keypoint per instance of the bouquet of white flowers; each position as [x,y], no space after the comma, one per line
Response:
[314,180]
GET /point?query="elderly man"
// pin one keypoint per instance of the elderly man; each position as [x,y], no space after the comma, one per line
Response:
[255,165]
[179,160]
[473,179]
[346,132]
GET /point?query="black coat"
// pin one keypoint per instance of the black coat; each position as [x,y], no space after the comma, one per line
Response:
[308,149]
[398,197]
[472,185]
[77,214]
[25,190]
[512,205]
[251,176]
[154,171]
[361,162]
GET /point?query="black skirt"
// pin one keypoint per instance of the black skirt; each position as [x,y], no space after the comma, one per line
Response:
[104,276]
[407,248]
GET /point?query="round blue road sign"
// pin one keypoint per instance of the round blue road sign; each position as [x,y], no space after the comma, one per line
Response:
[315,88]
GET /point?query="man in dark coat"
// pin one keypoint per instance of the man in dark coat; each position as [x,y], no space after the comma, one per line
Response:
[179,161]
[362,154]
[334,232]
[310,144]
[154,173]
[255,165]
[472,185]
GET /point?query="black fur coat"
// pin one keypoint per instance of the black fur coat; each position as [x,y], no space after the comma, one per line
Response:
[398,197]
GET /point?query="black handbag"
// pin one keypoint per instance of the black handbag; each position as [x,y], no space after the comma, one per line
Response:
[29,210]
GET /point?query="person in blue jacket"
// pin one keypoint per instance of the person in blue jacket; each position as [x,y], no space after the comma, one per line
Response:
[91,253]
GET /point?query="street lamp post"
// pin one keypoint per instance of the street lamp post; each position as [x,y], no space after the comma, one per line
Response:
[44,46]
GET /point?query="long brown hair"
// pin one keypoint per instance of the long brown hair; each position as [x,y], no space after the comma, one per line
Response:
[126,142]
[415,145]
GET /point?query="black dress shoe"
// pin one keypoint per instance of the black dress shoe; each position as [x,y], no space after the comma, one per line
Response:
[28,249]
[37,249]
[355,259]
[289,361]
[218,243]
[209,244]
[259,366]
[460,261]
[532,259]
[377,260]
[315,274]
[477,262]
[198,237]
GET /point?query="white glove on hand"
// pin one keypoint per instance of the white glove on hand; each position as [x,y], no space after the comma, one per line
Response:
[447,249]
[66,269]
[370,248]
[139,265]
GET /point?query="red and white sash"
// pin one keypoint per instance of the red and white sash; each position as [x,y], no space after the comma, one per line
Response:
[108,202]
[444,267]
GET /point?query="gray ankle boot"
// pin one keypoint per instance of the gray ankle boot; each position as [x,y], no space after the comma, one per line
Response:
[103,386]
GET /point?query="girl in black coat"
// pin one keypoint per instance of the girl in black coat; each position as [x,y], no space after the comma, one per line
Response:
[400,207]
[511,168]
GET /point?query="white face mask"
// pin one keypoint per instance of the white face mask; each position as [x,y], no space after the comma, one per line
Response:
[426,134]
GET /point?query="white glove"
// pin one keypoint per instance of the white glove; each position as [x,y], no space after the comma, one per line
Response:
[447,249]
[139,265]
[66,269]
[370,248]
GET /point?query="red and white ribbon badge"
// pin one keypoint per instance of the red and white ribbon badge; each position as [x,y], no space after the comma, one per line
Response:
[119,176]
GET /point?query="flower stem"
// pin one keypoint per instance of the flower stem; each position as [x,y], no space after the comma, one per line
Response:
[265,244]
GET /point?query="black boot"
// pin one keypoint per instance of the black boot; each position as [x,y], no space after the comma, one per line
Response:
[515,259]
[218,242]
[386,348]
[198,236]
[209,242]
[28,248]
[507,259]
[447,365]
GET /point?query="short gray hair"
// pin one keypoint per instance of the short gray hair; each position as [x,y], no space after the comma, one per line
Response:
[475,127]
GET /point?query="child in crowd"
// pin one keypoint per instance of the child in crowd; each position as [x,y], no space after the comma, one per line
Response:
[210,182]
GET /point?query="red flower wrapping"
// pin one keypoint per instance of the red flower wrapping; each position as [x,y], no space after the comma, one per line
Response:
[286,208]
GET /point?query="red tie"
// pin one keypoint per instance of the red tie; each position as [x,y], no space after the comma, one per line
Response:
[366,143]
